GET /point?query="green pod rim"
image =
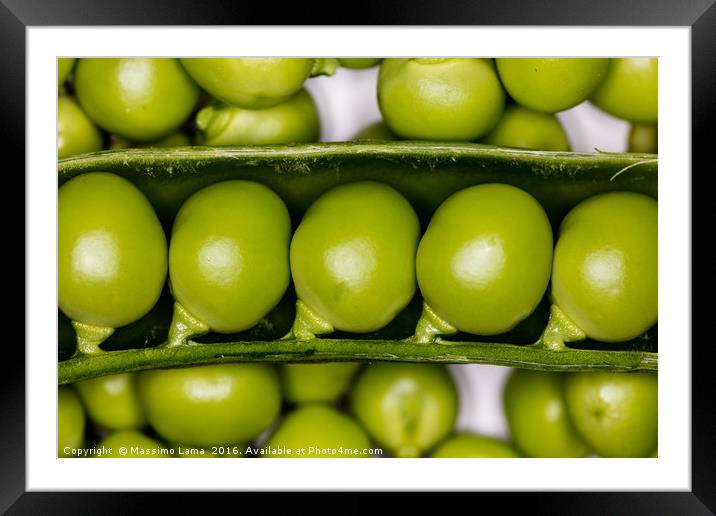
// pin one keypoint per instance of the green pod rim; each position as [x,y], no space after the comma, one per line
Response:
[344,350]
[426,173]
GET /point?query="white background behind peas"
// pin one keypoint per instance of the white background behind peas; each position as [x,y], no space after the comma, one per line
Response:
[347,103]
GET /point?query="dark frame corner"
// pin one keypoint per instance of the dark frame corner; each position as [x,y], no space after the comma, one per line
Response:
[700,15]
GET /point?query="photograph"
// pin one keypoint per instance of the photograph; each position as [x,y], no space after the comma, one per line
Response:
[309,257]
[446,253]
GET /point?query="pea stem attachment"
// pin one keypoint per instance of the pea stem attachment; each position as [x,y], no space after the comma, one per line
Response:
[559,330]
[89,337]
[184,326]
[324,66]
[431,326]
[307,324]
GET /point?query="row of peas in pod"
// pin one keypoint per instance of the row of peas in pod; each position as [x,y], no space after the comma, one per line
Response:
[139,102]
[356,259]
[346,410]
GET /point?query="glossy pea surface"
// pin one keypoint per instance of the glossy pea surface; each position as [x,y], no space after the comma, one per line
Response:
[467,445]
[551,84]
[140,99]
[439,99]
[306,383]
[113,401]
[526,128]
[605,273]
[223,404]
[353,256]
[76,133]
[630,89]
[70,421]
[228,256]
[112,252]
[320,431]
[293,121]
[251,82]
[537,415]
[484,262]
[408,408]
[616,413]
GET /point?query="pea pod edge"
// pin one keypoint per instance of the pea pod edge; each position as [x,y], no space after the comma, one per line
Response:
[426,173]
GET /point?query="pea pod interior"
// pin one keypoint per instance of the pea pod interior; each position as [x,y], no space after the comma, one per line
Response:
[426,173]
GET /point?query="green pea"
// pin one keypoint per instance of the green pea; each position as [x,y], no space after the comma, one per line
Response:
[177,139]
[306,383]
[604,276]
[439,99]
[113,401]
[526,128]
[293,121]
[644,138]
[118,143]
[408,408]
[76,133]
[132,444]
[212,405]
[358,63]
[252,82]
[353,256]
[375,131]
[466,445]
[551,84]
[314,431]
[228,255]
[484,262]
[140,99]
[112,252]
[616,413]
[630,89]
[70,421]
[64,67]
[537,416]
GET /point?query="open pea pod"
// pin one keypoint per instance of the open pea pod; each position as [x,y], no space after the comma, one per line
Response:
[426,173]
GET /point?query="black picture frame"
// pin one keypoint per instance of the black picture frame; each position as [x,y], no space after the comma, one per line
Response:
[17,15]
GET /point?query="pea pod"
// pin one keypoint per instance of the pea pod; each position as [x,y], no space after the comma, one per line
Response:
[426,173]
